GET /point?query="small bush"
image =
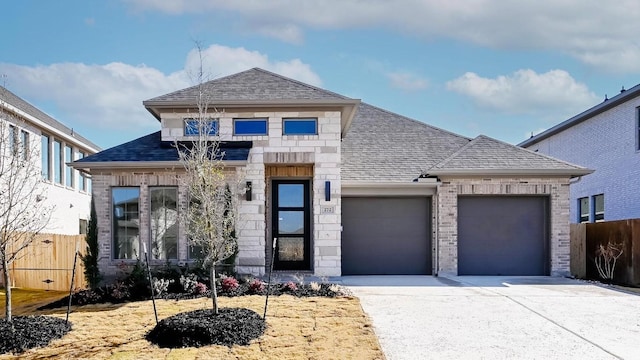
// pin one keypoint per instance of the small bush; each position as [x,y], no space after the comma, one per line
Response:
[188,282]
[199,288]
[314,286]
[255,286]
[160,286]
[229,284]
[290,287]
[120,292]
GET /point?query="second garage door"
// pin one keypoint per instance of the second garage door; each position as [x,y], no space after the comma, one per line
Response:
[503,235]
[386,236]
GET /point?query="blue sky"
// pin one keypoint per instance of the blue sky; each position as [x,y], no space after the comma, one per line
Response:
[495,67]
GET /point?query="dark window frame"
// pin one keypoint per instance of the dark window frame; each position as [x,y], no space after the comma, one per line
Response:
[294,131]
[125,215]
[582,216]
[598,216]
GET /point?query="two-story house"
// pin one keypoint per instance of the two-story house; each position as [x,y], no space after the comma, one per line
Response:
[605,138]
[347,188]
[68,191]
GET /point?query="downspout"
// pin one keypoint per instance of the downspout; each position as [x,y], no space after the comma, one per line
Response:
[436,239]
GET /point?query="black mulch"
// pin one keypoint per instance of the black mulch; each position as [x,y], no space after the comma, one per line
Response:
[232,326]
[29,332]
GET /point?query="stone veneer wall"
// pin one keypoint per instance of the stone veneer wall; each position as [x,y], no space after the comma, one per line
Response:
[322,151]
[556,188]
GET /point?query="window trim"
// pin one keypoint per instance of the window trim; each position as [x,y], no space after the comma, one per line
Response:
[299,120]
[113,224]
[213,123]
[581,217]
[247,120]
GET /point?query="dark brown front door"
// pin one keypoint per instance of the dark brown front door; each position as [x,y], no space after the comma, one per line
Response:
[292,224]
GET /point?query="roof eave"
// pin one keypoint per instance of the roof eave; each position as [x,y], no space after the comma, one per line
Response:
[511,172]
[583,116]
[142,164]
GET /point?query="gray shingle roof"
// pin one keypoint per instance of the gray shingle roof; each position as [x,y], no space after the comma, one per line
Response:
[386,147]
[486,155]
[19,103]
[251,85]
[151,148]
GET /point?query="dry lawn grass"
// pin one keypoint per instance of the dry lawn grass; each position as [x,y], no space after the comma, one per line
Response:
[297,328]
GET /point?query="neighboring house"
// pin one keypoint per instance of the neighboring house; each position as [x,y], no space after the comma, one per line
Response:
[347,188]
[68,191]
[605,138]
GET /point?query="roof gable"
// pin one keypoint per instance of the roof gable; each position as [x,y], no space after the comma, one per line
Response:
[484,155]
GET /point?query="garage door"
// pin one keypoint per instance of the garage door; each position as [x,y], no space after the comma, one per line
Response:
[503,235]
[386,236]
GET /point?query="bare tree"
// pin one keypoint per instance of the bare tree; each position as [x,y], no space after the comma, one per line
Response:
[23,213]
[211,214]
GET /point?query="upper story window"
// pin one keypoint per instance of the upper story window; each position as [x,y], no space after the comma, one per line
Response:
[125,222]
[57,161]
[194,127]
[82,177]
[300,126]
[68,170]
[598,207]
[13,140]
[24,142]
[46,157]
[250,126]
[583,210]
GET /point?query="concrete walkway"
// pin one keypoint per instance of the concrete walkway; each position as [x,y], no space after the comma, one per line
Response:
[464,317]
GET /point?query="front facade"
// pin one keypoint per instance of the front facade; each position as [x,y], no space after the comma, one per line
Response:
[68,191]
[346,188]
[605,138]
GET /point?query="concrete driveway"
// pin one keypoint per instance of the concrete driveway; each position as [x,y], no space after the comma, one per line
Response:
[465,317]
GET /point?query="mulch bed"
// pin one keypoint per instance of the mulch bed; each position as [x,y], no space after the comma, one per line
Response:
[29,332]
[232,326]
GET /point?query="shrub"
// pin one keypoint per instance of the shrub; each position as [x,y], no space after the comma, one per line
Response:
[188,282]
[315,286]
[160,286]
[256,286]
[229,284]
[119,292]
[290,287]
[199,288]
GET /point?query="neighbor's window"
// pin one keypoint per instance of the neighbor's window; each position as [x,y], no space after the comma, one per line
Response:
[82,177]
[84,226]
[46,158]
[57,161]
[164,223]
[68,170]
[249,126]
[583,209]
[598,207]
[638,128]
[193,127]
[125,222]
[300,126]
[24,141]
[13,140]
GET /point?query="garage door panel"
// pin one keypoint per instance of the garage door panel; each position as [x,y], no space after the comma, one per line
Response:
[386,236]
[502,235]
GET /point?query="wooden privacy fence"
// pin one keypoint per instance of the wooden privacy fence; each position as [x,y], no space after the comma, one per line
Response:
[47,263]
[586,238]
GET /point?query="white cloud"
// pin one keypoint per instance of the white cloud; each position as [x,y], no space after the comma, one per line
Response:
[407,81]
[526,92]
[110,96]
[598,33]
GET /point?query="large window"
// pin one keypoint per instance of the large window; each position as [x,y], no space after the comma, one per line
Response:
[164,223]
[249,126]
[300,126]
[68,170]
[57,161]
[194,127]
[598,207]
[125,222]
[583,210]
[46,157]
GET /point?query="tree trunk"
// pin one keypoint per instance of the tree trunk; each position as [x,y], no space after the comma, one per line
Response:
[7,287]
[214,294]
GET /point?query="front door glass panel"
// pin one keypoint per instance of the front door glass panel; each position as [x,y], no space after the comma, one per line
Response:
[291,224]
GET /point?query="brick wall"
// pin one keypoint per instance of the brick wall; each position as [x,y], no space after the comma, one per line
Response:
[606,143]
[447,212]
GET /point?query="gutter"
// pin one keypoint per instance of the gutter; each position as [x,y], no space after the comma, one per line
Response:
[142,164]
